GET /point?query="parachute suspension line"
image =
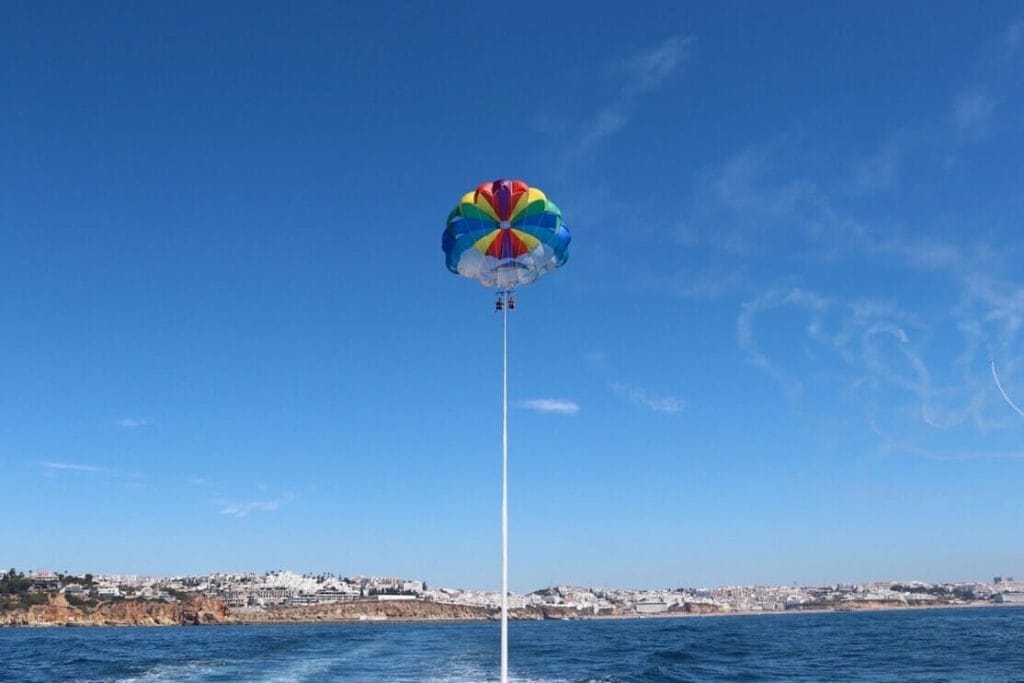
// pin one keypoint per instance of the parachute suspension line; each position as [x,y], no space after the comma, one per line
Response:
[504,490]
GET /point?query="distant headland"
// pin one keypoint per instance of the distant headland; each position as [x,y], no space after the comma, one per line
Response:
[45,598]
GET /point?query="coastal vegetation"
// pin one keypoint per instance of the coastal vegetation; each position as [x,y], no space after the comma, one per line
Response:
[14,583]
[47,598]
[15,592]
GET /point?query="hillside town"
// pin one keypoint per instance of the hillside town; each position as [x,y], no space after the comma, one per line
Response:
[255,594]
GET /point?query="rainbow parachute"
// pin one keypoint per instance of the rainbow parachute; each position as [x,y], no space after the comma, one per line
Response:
[505,234]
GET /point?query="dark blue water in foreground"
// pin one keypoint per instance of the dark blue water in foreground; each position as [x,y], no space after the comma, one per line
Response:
[984,644]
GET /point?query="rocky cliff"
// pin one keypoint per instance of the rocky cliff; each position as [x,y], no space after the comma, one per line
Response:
[59,612]
[695,608]
[418,610]
[367,610]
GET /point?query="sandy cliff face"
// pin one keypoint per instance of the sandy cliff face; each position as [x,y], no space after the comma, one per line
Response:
[369,611]
[199,610]
[58,612]
[695,608]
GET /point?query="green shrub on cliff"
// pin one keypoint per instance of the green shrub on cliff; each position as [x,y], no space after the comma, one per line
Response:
[14,594]
[14,583]
[84,581]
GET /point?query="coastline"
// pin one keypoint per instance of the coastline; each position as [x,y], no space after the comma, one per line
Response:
[210,611]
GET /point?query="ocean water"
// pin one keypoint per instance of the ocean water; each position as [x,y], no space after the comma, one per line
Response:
[980,644]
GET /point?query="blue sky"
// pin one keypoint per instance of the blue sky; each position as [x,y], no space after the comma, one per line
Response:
[787,345]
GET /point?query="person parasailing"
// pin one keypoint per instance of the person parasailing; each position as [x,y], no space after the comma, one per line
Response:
[503,235]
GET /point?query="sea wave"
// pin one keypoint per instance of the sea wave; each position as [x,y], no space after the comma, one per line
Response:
[925,645]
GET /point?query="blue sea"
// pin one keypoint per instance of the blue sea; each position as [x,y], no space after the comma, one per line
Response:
[981,644]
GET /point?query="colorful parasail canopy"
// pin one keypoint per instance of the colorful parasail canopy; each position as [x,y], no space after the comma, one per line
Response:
[505,234]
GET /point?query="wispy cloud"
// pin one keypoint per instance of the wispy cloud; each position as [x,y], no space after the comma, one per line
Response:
[904,447]
[604,123]
[133,422]
[874,342]
[756,203]
[767,301]
[969,455]
[53,468]
[641,397]
[1003,391]
[885,356]
[557,406]
[647,70]
[199,481]
[973,110]
[707,283]
[879,171]
[74,467]
[921,299]
[640,74]
[1015,35]
[751,200]
[240,509]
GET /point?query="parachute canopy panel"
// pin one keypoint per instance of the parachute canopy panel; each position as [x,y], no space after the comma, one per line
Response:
[505,234]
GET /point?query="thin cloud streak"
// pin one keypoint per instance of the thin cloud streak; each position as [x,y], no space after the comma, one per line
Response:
[1003,391]
[242,509]
[1015,35]
[879,172]
[711,283]
[973,111]
[642,73]
[551,406]
[52,468]
[658,404]
[903,448]
[133,422]
[970,456]
[73,467]
[773,299]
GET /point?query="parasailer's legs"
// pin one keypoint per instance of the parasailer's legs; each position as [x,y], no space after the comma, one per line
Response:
[506,298]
